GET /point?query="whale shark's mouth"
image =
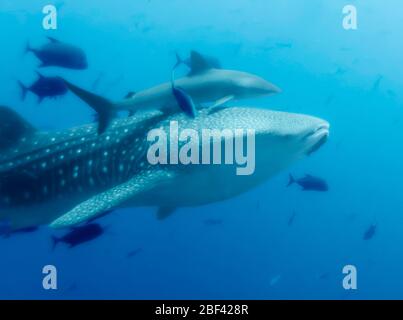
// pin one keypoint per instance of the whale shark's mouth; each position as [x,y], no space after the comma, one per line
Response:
[320,136]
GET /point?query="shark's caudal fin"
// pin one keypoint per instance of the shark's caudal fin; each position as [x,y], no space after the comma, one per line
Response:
[28,48]
[55,241]
[291,180]
[103,107]
[12,128]
[24,90]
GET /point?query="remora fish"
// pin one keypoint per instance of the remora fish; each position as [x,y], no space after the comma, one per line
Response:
[210,85]
[183,99]
[60,54]
[67,177]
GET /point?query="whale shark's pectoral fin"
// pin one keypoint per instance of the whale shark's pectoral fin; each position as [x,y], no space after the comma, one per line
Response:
[103,107]
[111,198]
[222,101]
[165,212]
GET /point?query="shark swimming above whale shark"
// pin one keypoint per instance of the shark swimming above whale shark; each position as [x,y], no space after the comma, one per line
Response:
[206,83]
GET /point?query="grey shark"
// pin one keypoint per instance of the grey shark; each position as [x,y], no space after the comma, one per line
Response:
[210,86]
[205,86]
[67,177]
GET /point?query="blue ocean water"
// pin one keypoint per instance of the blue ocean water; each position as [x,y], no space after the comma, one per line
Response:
[351,78]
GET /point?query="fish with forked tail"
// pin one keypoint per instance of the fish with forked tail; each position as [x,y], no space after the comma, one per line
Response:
[309,183]
[59,54]
[44,87]
[80,235]
[370,232]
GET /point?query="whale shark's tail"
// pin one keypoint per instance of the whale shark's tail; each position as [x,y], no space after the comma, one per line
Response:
[103,107]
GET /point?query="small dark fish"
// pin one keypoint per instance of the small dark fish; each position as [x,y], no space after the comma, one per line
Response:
[45,87]
[291,219]
[284,45]
[6,229]
[370,233]
[130,95]
[60,54]
[134,252]
[377,83]
[146,29]
[95,85]
[340,71]
[309,183]
[324,276]
[329,100]
[391,93]
[80,235]
[72,287]
[213,222]
[22,231]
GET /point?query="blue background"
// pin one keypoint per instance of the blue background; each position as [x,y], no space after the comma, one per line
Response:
[322,69]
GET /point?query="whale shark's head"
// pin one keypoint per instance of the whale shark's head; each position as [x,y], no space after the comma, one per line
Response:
[279,139]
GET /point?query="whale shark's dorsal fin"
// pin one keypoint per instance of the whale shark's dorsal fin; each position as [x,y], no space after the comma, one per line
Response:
[111,198]
[12,128]
[199,63]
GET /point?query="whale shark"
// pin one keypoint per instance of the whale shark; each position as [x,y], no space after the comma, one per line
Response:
[205,86]
[64,178]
